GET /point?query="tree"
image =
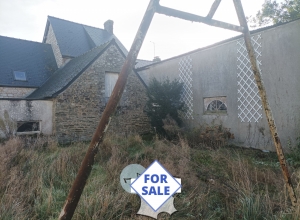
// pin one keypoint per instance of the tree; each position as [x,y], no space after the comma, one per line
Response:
[273,12]
[163,101]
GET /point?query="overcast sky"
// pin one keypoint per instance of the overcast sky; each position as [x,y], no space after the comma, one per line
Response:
[26,19]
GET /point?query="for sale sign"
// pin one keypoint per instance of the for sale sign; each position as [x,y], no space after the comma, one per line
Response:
[156,185]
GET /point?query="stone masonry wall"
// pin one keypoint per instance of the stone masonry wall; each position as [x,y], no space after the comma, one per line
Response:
[13,92]
[78,109]
[51,39]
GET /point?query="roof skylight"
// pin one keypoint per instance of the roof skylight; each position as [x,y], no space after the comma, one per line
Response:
[20,75]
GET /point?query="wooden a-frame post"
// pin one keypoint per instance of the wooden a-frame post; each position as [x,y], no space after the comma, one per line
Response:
[154,7]
[88,161]
[264,100]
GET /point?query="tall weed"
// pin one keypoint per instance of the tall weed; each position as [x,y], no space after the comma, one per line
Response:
[223,183]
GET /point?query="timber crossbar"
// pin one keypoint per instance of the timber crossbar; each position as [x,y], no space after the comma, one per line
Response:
[197,18]
[154,7]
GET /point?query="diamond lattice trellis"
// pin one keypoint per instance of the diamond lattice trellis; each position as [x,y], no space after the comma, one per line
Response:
[185,76]
[249,103]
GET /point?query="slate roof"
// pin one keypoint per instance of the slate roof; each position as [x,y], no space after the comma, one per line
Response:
[75,39]
[64,76]
[36,59]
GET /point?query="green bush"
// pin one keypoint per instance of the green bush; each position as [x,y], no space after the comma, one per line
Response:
[163,101]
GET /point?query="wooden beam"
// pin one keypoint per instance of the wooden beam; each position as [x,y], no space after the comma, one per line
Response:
[213,9]
[197,18]
[265,103]
[88,161]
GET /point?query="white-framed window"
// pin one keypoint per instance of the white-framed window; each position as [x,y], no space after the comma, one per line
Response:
[28,127]
[215,105]
[110,82]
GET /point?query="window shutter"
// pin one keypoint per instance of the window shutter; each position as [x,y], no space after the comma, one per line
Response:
[110,82]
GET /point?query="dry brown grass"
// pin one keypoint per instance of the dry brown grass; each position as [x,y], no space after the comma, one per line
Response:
[225,183]
[209,136]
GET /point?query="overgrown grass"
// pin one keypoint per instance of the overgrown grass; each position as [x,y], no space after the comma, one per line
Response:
[221,183]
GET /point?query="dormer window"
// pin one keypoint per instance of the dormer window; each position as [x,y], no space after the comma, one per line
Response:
[20,75]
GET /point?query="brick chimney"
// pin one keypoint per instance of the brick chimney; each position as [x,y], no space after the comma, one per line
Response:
[109,26]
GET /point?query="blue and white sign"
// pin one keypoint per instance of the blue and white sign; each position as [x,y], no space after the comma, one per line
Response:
[156,185]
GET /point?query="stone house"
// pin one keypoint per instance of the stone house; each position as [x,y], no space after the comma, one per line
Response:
[219,85]
[61,86]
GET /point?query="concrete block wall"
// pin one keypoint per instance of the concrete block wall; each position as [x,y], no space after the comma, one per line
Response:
[214,74]
[21,110]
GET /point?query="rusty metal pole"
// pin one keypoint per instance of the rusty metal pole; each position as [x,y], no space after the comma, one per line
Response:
[263,96]
[88,161]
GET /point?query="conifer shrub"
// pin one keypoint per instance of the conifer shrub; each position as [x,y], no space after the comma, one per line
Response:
[164,100]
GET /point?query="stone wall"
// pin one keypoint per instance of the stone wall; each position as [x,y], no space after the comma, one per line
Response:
[13,92]
[78,109]
[51,39]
